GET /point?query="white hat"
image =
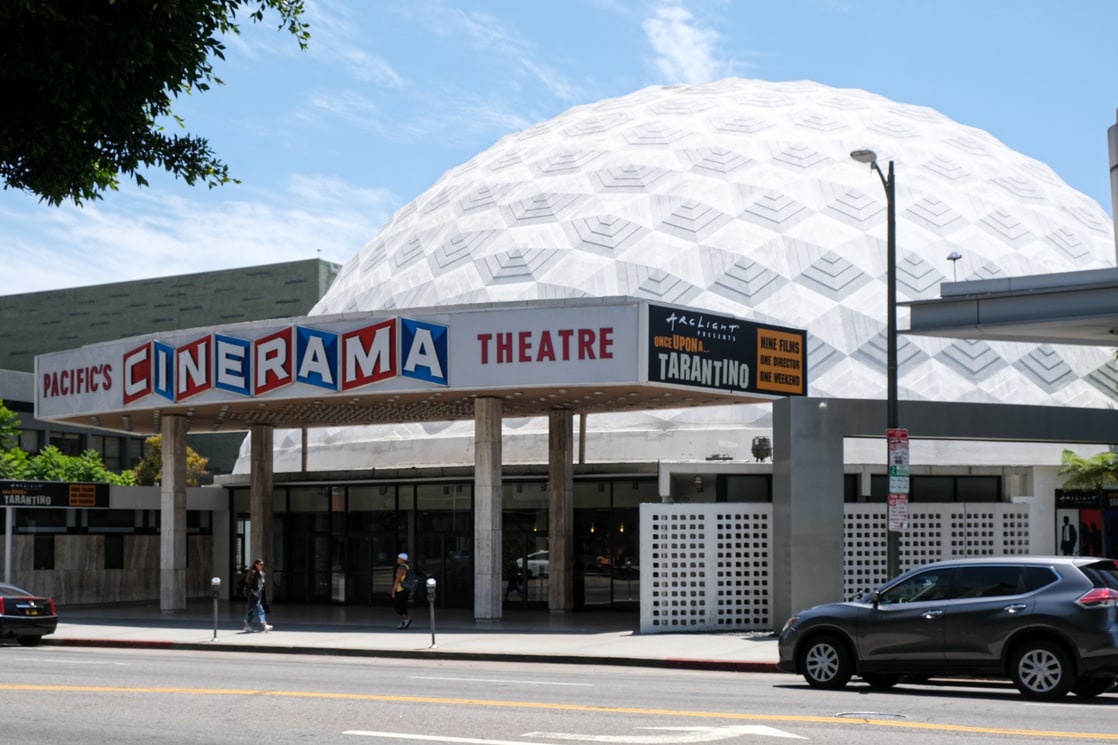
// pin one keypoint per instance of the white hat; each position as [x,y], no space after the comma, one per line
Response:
[402,556]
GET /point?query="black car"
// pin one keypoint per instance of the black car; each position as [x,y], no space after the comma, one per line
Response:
[25,616]
[1049,624]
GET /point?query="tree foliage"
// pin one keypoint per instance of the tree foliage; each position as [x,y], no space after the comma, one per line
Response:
[87,86]
[50,464]
[1096,472]
[9,427]
[150,469]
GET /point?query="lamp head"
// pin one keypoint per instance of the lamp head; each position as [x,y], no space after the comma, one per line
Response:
[864,156]
[954,256]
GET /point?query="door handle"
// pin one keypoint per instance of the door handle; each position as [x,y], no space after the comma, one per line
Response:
[931,614]
[1015,608]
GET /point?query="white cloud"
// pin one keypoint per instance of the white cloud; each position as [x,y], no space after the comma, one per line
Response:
[685,51]
[336,37]
[489,36]
[135,236]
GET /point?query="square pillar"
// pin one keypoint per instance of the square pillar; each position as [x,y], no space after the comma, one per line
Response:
[260,494]
[487,509]
[808,509]
[172,509]
[560,510]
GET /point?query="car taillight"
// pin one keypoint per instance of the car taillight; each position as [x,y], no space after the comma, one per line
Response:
[53,612]
[1,605]
[1099,597]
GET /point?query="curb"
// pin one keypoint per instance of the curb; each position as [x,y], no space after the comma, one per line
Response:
[675,663]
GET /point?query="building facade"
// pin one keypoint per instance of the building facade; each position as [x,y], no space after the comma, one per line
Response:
[737,197]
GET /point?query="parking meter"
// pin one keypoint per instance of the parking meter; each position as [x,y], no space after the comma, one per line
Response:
[215,590]
[431,585]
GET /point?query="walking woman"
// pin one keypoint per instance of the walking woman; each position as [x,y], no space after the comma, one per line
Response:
[254,598]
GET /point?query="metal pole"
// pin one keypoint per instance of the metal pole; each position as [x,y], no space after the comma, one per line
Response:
[215,590]
[9,518]
[892,546]
[892,540]
[431,584]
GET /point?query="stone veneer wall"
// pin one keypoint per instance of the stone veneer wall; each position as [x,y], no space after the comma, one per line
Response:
[79,576]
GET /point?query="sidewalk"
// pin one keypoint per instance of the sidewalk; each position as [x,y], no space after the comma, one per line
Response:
[601,638]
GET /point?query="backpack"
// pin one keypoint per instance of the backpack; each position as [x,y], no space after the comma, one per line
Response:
[411,579]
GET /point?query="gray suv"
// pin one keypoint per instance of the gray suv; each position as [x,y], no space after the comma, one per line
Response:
[1049,624]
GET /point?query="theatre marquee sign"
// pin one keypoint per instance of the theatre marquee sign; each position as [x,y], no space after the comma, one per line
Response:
[496,347]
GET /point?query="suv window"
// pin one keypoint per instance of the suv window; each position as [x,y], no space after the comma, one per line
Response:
[933,584]
[989,581]
[1038,577]
[1102,574]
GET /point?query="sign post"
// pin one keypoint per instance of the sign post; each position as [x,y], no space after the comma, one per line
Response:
[898,496]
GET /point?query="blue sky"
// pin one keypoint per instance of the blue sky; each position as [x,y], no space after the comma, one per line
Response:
[329,142]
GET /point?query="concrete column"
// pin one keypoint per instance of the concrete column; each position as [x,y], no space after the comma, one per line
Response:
[808,512]
[172,508]
[560,510]
[487,509]
[260,493]
[303,452]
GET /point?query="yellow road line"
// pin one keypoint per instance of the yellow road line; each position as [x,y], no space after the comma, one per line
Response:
[572,707]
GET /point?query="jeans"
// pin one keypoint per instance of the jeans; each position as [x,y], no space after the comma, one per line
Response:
[255,613]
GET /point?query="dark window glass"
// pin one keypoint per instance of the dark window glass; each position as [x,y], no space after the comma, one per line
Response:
[69,443]
[44,552]
[749,488]
[934,584]
[932,489]
[112,521]
[850,488]
[939,489]
[978,489]
[199,522]
[135,452]
[31,440]
[879,489]
[43,520]
[1038,577]
[114,551]
[989,581]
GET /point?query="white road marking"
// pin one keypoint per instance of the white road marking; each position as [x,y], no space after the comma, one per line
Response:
[434,738]
[682,735]
[693,734]
[500,680]
[68,661]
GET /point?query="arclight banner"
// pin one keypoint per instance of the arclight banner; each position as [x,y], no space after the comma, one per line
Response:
[696,348]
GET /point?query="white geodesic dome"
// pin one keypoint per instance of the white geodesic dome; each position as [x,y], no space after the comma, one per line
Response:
[739,197]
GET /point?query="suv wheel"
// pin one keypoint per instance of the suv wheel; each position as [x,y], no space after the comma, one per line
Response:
[826,663]
[1041,671]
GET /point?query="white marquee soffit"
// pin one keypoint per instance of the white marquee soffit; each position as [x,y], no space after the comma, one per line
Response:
[597,355]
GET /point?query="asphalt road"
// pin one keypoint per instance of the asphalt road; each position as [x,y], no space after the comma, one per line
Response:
[126,696]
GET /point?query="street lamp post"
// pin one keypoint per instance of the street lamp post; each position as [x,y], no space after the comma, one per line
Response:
[892,556]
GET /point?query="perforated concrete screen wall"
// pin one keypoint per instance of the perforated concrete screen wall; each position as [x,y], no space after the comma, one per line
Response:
[936,532]
[708,567]
[705,566]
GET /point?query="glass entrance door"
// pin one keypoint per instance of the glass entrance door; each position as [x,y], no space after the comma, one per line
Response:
[527,568]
